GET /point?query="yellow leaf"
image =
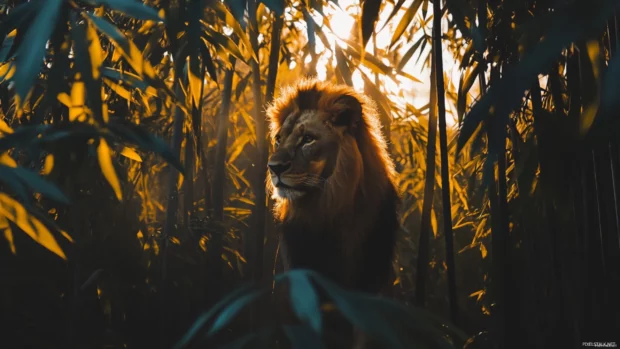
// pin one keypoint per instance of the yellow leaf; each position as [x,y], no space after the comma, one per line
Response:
[8,235]
[94,49]
[123,92]
[594,53]
[66,236]
[105,162]
[483,250]
[434,222]
[131,154]
[237,147]
[4,127]
[48,164]
[195,84]
[7,160]
[180,181]
[16,213]
[64,99]
[104,113]
[7,71]
[78,98]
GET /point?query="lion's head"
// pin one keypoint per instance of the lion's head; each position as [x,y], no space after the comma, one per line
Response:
[328,148]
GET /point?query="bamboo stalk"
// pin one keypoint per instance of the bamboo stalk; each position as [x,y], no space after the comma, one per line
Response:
[429,190]
[445,170]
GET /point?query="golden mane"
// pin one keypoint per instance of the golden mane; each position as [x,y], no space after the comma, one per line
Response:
[364,167]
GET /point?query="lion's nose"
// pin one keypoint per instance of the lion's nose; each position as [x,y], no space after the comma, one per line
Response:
[279,167]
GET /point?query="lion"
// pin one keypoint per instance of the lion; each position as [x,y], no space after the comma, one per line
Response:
[333,184]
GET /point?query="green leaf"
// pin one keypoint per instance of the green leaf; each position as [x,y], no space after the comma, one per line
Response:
[30,54]
[405,21]
[132,8]
[14,183]
[229,313]
[205,317]
[145,141]
[303,337]
[385,320]
[38,184]
[23,136]
[18,15]
[5,48]
[276,6]
[126,78]
[573,24]
[304,300]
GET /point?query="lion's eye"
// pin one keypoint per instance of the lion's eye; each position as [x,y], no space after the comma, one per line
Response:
[307,139]
[277,139]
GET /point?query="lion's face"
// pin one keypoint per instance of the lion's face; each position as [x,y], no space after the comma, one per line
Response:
[306,151]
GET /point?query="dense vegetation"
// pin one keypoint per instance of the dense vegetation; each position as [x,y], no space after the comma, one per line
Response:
[133,147]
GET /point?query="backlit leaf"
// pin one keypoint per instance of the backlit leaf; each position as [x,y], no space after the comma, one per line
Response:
[405,21]
[131,154]
[17,214]
[105,162]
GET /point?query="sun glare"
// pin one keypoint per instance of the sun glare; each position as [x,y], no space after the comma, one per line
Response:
[338,27]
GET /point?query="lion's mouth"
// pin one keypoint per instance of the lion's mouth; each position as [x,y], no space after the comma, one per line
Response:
[284,190]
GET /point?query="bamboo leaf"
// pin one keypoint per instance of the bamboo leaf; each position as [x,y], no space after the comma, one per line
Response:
[303,337]
[226,43]
[105,162]
[30,55]
[397,7]
[229,313]
[33,227]
[573,24]
[131,154]
[407,56]
[132,8]
[343,66]
[370,14]
[304,300]
[232,22]
[405,21]
[237,8]
[203,319]
[127,48]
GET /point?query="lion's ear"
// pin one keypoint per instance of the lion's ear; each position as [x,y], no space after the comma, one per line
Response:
[347,112]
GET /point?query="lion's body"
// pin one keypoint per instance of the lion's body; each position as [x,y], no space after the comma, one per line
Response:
[337,199]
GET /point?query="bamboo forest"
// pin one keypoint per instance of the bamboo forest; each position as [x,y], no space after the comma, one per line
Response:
[138,205]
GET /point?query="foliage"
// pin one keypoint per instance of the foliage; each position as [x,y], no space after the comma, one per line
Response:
[131,147]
